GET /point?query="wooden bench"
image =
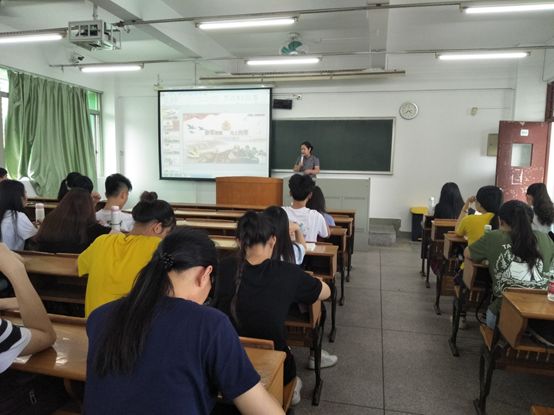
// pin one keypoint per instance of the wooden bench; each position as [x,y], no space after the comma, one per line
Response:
[439,227]
[473,293]
[425,242]
[516,353]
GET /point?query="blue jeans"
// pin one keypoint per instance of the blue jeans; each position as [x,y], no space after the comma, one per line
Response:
[491,319]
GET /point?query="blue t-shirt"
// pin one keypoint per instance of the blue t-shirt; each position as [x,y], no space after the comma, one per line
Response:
[190,354]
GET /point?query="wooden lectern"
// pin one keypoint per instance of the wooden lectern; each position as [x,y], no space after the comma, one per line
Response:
[248,191]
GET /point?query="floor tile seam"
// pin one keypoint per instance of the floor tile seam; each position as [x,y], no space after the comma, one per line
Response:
[446,336]
[356,405]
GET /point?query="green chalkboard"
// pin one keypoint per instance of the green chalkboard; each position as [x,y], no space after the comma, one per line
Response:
[363,145]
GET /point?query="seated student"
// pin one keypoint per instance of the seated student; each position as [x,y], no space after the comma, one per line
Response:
[538,199]
[311,222]
[518,256]
[450,202]
[37,333]
[113,261]
[3,174]
[293,253]
[158,350]
[71,227]
[16,227]
[487,202]
[285,249]
[117,193]
[257,291]
[77,180]
[317,202]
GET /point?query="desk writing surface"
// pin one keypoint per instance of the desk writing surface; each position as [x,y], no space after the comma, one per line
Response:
[67,359]
[200,224]
[531,304]
[209,214]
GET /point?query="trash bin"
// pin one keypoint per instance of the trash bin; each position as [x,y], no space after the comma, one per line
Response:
[417,217]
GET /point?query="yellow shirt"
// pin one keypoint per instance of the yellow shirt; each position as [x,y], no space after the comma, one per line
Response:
[473,226]
[112,263]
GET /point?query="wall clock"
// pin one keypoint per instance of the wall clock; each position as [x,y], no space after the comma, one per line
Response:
[408,110]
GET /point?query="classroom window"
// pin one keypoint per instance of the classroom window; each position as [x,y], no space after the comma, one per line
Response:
[3,110]
[94,100]
[521,155]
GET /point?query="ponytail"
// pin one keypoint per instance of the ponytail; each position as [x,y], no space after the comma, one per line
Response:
[490,199]
[123,339]
[253,228]
[519,216]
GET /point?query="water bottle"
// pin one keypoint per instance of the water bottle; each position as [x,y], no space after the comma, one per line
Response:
[39,213]
[550,294]
[115,221]
[431,206]
[488,228]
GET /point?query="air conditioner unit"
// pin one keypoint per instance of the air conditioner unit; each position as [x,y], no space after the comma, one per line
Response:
[94,35]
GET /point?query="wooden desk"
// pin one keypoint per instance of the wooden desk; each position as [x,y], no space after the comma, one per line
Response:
[425,241]
[208,214]
[520,354]
[67,359]
[541,410]
[472,293]
[338,237]
[56,279]
[518,307]
[452,242]
[218,227]
[439,227]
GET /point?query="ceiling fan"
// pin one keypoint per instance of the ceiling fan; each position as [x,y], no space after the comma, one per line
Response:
[294,46]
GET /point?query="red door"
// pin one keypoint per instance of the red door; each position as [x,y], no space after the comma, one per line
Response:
[522,157]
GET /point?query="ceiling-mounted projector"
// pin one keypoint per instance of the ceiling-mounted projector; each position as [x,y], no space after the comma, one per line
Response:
[94,35]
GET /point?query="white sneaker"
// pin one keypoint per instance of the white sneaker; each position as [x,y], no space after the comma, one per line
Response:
[296,394]
[327,360]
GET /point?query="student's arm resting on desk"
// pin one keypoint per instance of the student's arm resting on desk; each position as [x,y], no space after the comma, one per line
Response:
[8,303]
[257,401]
[309,289]
[477,251]
[234,375]
[30,305]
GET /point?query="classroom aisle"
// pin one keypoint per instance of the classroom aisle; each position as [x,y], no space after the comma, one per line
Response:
[393,351]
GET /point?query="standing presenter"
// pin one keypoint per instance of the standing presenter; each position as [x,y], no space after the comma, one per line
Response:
[307,163]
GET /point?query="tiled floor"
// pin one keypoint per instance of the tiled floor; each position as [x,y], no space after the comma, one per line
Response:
[393,351]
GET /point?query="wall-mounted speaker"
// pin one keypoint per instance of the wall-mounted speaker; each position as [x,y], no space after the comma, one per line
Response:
[283,104]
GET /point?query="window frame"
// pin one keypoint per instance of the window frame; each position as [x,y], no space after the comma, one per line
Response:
[98,128]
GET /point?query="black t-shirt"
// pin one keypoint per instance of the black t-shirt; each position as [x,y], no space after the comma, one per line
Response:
[265,295]
[72,246]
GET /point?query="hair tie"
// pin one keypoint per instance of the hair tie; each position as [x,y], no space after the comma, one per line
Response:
[167,261]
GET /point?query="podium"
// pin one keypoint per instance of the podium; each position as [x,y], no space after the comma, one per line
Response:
[249,191]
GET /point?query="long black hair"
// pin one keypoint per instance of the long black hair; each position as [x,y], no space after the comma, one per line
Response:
[519,217]
[124,337]
[151,209]
[450,202]
[67,184]
[253,228]
[542,205]
[283,249]
[317,200]
[490,198]
[12,194]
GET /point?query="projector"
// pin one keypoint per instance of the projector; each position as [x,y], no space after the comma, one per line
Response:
[94,35]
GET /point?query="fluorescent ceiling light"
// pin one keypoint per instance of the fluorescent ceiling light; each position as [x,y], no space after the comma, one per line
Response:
[481,56]
[283,61]
[35,37]
[236,24]
[111,68]
[508,8]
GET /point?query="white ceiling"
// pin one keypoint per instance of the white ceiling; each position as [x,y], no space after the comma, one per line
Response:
[394,30]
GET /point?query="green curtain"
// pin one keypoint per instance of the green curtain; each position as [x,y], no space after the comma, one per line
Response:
[47,132]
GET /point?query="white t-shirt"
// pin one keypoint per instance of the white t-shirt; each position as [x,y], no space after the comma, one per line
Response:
[13,340]
[538,226]
[311,222]
[104,216]
[299,253]
[16,229]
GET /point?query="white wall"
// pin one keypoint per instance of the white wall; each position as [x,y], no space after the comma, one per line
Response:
[444,143]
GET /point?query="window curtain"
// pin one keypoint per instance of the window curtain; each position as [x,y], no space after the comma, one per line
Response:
[47,132]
